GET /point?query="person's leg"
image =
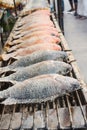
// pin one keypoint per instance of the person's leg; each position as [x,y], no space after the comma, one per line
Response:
[71,4]
[75,4]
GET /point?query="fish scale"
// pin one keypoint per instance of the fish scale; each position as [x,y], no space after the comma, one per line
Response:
[44,67]
[35,58]
[30,49]
[40,88]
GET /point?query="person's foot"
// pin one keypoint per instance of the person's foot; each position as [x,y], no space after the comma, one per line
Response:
[78,16]
[75,14]
[70,10]
[83,18]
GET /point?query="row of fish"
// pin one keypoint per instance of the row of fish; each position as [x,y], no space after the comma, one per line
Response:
[39,71]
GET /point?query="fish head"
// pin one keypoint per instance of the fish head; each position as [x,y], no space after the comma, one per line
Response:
[63,68]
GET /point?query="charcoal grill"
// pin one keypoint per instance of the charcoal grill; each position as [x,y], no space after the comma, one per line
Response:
[68,112]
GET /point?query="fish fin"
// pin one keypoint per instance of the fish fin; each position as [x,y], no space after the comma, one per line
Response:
[3,69]
[8,44]
[6,69]
[16,58]
[9,101]
[13,82]
[4,57]
[7,80]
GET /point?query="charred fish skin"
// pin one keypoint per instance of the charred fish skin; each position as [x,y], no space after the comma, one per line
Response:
[40,88]
[35,58]
[44,67]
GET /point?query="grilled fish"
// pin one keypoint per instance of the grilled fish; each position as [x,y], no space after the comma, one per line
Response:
[29,50]
[44,67]
[21,34]
[22,46]
[31,19]
[36,57]
[35,39]
[37,21]
[39,89]
[37,31]
[35,25]
[26,44]
[40,28]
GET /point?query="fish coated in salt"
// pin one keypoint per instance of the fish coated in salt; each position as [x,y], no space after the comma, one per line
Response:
[39,89]
[29,50]
[47,38]
[36,57]
[44,67]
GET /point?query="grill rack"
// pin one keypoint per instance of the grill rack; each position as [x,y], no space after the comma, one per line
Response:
[64,113]
[58,114]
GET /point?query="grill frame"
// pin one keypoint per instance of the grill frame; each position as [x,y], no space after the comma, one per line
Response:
[58,105]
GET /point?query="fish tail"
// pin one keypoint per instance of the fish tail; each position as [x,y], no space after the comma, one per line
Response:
[6,48]
[5,79]
[1,95]
[3,69]
[10,101]
[5,57]
[8,44]
[4,94]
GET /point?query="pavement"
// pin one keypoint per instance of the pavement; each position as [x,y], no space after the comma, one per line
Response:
[76,36]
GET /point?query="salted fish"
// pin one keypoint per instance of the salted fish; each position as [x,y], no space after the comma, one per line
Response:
[35,22]
[34,29]
[26,44]
[37,18]
[44,67]
[43,38]
[29,50]
[34,25]
[36,57]
[23,33]
[39,89]
[35,14]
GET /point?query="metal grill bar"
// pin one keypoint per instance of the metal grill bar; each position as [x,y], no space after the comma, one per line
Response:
[45,109]
[10,125]
[22,117]
[46,115]
[57,112]
[70,113]
[34,118]
[2,115]
[85,120]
